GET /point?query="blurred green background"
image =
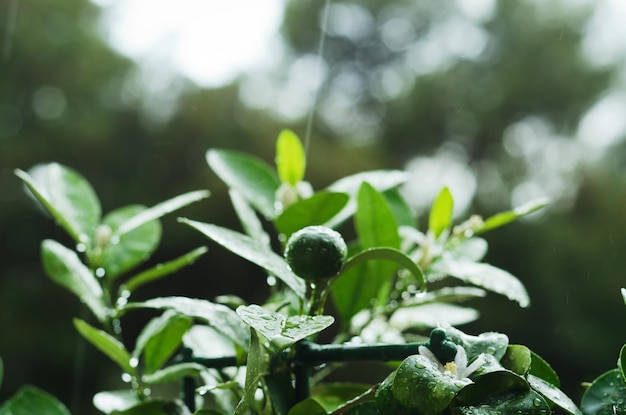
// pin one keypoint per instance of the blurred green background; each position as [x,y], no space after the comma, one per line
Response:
[503,101]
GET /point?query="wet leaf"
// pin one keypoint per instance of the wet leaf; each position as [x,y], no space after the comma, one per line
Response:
[160,210]
[248,218]
[315,210]
[174,373]
[130,249]
[554,395]
[430,315]
[107,344]
[30,400]
[255,368]
[253,251]
[68,197]
[280,330]
[541,369]
[307,407]
[254,179]
[163,269]
[160,338]
[517,359]
[380,180]
[489,385]
[519,402]
[485,276]
[65,268]
[606,395]
[490,343]
[621,362]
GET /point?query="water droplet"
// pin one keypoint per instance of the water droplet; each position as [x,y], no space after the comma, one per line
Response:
[81,247]
[115,239]
[537,402]
[100,272]
[271,281]
[418,365]
[491,350]
[83,238]
[126,378]
[134,362]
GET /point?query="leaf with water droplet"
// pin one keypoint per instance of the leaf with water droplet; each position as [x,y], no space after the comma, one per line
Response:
[491,343]
[514,402]
[606,391]
[485,276]
[553,395]
[280,330]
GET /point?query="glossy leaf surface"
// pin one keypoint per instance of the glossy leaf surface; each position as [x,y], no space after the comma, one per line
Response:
[30,400]
[64,267]
[501,219]
[68,197]
[248,218]
[518,402]
[440,218]
[253,251]
[553,395]
[107,344]
[131,248]
[254,179]
[218,316]
[606,395]
[318,209]
[280,330]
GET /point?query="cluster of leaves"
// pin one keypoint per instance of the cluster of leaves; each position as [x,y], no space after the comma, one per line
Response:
[607,393]
[239,358]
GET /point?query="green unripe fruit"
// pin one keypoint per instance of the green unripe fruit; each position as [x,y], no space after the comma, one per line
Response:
[316,253]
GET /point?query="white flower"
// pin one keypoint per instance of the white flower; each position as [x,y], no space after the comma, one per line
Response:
[458,369]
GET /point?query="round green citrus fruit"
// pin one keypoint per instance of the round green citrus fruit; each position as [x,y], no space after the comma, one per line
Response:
[316,252]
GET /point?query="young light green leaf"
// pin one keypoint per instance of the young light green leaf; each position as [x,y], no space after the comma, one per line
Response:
[483,275]
[503,218]
[554,395]
[290,158]
[400,208]
[164,269]
[160,338]
[174,373]
[30,400]
[441,211]
[254,179]
[123,253]
[280,330]
[159,210]
[253,251]
[517,358]
[380,180]
[218,316]
[315,210]
[68,197]
[65,268]
[107,344]
[248,218]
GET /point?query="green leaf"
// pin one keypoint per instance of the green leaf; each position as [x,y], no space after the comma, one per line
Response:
[553,395]
[503,218]
[127,402]
[164,269]
[174,373]
[255,368]
[491,343]
[220,317]
[280,330]
[606,395]
[472,249]
[517,359]
[65,268]
[254,179]
[107,344]
[485,276]
[334,395]
[248,218]
[30,400]
[290,158]
[401,210]
[68,197]
[159,210]
[111,401]
[621,363]
[489,385]
[388,254]
[381,180]
[128,250]
[440,218]
[522,402]
[206,341]
[315,210]
[253,251]
[307,407]
[160,338]
[431,315]
[541,369]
